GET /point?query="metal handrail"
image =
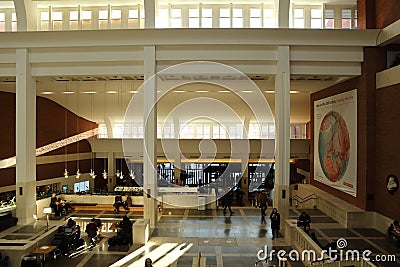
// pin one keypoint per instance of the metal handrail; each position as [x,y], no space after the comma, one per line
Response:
[302,200]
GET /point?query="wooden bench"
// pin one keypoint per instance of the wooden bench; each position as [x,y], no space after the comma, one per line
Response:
[107,207]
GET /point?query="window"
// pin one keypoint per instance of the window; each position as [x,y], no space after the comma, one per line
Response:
[2,22]
[162,20]
[329,19]
[298,15]
[355,19]
[81,187]
[255,18]
[57,18]
[116,18]
[133,18]
[176,18]
[224,18]
[73,20]
[346,18]
[86,17]
[206,18]
[102,131]
[237,20]
[268,18]
[14,25]
[103,19]
[316,18]
[194,18]
[44,20]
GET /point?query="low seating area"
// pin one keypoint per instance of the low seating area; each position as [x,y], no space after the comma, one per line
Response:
[95,206]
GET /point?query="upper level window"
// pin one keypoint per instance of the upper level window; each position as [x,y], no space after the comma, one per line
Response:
[2,22]
[73,20]
[206,18]
[86,17]
[162,20]
[57,18]
[346,18]
[316,18]
[237,20]
[329,19]
[194,18]
[103,19]
[298,15]
[225,18]
[255,18]
[176,18]
[133,18]
[44,20]
[14,22]
[116,15]
[268,14]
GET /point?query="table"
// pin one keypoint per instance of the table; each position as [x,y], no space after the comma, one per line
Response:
[43,251]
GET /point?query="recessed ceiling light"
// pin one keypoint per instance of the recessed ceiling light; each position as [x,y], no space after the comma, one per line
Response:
[224,91]
[247,91]
[47,93]
[294,92]
[90,92]
[201,91]
[111,92]
[179,91]
[269,92]
[133,92]
[68,92]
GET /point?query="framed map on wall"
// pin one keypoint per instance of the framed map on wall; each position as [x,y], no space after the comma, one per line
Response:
[335,141]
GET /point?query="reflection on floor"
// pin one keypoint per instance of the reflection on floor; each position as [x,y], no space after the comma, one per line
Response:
[221,240]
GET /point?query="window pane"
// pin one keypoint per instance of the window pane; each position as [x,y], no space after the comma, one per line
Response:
[176,23]
[269,23]
[43,16]
[255,23]
[193,13]
[206,22]
[316,23]
[225,13]
[237,12]
[133,14]
[346,14]
[176,13]
[268,13]
[224,22]
[116,14]
[73,15]
[298,23]
[346,23]
[237,23]
[255,12]
[316,13]
[14,17]
[103,14]
[163,13]
[207,13]
[329,23]
[298,13]
[86,15]
[329,14]
[57,16]
[194,23]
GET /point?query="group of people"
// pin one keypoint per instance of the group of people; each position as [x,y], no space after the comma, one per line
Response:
[59,205]
[275,217]
[118,202]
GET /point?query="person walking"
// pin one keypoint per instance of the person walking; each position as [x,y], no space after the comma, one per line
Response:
[263,204]
[275,218]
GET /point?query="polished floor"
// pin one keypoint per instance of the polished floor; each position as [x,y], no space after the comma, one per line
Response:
[222,240]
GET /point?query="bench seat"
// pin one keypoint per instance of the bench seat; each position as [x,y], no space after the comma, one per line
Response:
[107,207]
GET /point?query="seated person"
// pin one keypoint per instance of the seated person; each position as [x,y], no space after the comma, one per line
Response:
[119,203]
[128,200]
[64,205]
[124,233]
[75,228]
[304,221]
[91,230]
[394,231]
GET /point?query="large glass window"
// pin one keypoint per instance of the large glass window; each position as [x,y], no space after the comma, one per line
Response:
[255,18]
[346,18]
[86,17]
[162,20]
[316,18]
[2,22]
[133,18]
[298,18]
[329,19]
[73,20]
[268,17]
[116,18]
[176,18]
[103,19]
[44,20]
[14,22]
[237,20]
[57,18]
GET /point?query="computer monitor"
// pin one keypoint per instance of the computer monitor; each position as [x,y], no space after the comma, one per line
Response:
[68,230]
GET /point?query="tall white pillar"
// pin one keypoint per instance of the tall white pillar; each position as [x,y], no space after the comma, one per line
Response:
[26,15]
[25,139]
[111,171]
[282,127]
[150,14]
[150,136]
[283,13]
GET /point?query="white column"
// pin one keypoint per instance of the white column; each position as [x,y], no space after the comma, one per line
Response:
[150,14]
[26,15]
[150,136]
[282,125]
[283,13]
[111,171]
[25,139]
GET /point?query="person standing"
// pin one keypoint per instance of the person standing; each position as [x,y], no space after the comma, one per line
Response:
[263,204]
[228,202]
[148,263]
[275,218]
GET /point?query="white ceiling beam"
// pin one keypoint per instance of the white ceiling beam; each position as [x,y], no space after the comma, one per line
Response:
[216,55]
[320,68]
[86,56]
[86,70]
[142,37]
[318,53]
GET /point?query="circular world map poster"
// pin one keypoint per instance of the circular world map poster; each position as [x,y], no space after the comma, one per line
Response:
[333,146]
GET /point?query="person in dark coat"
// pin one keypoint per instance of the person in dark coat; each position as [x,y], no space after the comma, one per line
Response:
[275,218]
[304,221]
[228,202]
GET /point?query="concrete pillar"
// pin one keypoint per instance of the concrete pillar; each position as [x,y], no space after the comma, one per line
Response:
[111,171]
[25,139]
[283,13]
[282,127]
[26,11]
[150,14]
[150,136]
